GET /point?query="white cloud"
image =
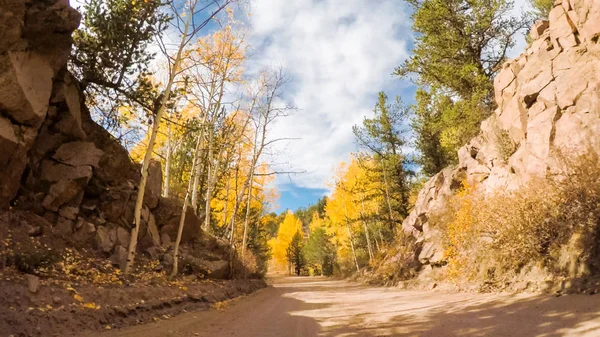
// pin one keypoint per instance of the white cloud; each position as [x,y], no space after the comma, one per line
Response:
[339,54]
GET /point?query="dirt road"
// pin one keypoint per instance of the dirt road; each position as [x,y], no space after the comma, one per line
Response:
[305,307]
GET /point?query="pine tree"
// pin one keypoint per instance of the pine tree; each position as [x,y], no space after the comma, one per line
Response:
[382,140]
[295,253]
[542,8]
[111,59]
[319,251]
[459,49]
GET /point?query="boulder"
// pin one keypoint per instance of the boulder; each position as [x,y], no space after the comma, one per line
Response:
[104,240]
[13,160]
[52,171]
[69,212]
[153,184]
[119,257]
[63,192]
[166,240]
[26,81]
[153,231]
[33,283]
[562,29]
[85,232]
[587,14]
[70,122]
[168,214]
[218,269]
[64,226]
[78,154]
[538,29]
[123,237]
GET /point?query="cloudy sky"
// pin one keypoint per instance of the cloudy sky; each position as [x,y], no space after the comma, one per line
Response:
[338,54]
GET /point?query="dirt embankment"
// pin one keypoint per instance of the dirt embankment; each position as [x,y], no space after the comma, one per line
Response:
[45,307]
[51,285]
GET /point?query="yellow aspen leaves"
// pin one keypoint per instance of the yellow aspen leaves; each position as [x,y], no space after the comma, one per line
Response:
[279,245]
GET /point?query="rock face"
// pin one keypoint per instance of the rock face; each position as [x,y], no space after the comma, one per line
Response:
[55,161]
[31,59]
[548,101]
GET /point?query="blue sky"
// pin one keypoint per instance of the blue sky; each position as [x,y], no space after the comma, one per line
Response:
[292,197]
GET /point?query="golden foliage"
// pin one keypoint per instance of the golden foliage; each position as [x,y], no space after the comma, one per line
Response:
[279,245]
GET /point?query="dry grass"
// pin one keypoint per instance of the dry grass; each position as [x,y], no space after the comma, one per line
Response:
[551,223]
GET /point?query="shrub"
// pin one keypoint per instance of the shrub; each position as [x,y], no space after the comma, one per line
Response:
[31,259]
[399,263]
[491,238]
[504,144]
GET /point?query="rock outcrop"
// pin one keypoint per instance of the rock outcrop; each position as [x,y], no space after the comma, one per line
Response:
[548,102]
[55,160]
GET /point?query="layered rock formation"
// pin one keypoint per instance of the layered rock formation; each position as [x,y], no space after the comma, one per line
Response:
[548,102]
[54,160]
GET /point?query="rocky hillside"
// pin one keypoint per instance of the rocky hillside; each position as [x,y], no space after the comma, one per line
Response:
[59,164]
[548,104]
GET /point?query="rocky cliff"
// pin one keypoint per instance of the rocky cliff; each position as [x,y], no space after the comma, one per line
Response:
[548,103]
[59,164]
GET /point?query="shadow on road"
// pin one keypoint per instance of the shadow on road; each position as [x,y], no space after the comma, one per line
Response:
[359,311]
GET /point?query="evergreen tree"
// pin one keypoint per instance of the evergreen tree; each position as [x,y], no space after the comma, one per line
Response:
[111,58]
[382,139]
[320,252]
[459,48]
[258,237]
[542,8]
[295,253]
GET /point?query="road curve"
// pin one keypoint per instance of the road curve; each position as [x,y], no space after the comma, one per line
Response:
[306,307]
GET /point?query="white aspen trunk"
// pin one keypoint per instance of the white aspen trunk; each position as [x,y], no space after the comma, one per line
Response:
[248,202]
[196,171]
[212,180]
[350,238]
[182,217]
[225,208]
[142,186]
[167,162]
[179,234]
[208,184]
[366,231]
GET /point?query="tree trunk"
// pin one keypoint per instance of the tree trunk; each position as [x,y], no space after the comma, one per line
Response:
[182,217]
[350,238]
[167,162]
[366,231]
[226,208]
[387,195]
[196,172]
[248,202]
[179,233]
[212,180]
[142,186]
